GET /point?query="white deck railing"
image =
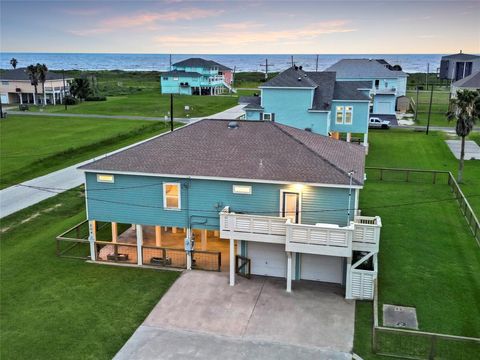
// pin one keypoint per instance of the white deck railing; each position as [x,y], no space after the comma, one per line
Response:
[252,227]
[321,239]
[367,233]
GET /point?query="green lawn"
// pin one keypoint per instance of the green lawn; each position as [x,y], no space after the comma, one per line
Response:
[440,101]
[428,258]
[150,103]
[56,308]
[31,146]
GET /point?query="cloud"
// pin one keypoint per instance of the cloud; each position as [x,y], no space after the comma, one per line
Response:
[234,35]
[83,11]
[239,25]
[426,36]
[145,19]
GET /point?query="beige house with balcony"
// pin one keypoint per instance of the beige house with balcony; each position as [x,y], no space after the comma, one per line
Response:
[16,88]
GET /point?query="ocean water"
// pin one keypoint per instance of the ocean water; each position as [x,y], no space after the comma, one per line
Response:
[160,62]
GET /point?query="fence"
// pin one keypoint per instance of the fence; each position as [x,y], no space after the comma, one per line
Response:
[420,345]
[74,243]
[434,177]
[162,256]
[116,252]
[207,260]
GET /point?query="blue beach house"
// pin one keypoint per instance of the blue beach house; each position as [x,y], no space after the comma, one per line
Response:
[197,76]
[251,197]
[387,82]
[313,101]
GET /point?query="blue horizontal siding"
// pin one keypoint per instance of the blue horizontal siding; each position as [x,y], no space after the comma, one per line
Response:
[360,117]
[139,200]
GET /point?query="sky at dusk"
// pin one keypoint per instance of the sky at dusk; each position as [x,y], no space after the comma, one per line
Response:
[228,27]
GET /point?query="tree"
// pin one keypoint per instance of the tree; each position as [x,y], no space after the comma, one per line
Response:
[33,76]
[14,63]
[465,110]
[42,71]
[80,88]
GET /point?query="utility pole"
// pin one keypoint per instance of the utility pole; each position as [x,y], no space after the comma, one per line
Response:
[292,61]
[64,90]
[233,76]
[171,111]
[416,106]
[266,65]
[1,108]
[429,110]
[316,65]
[170,62]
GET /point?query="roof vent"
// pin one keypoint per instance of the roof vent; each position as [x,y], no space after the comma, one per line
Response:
[299,78]
[233,125]
[300,67]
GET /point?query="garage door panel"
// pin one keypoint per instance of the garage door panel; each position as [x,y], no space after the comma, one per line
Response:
[267,259]
[321,268]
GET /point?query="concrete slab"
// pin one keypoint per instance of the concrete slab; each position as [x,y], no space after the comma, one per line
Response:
[149,343]
[202,317]
[472,150]
[400,316]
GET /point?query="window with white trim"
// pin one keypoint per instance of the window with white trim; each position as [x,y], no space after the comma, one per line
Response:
[171,196]
[105,178]
[242,189]
[348,114]
[344,115]
[339,115]
[267,116]
[175,78]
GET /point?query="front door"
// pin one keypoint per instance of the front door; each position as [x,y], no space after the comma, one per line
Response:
[291,206]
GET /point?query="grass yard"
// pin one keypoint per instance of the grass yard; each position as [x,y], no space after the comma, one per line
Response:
[150,103]
[440,102]
[31,146]
[428,258]
[56,308]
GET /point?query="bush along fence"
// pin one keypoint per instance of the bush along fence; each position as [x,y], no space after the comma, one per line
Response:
[434,177]
[419,345]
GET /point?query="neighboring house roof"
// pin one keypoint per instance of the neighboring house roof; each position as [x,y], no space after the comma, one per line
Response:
[460,56]
[348,90]
[20,74]
[470,81]
[256,150]
[252,102]
[199,62]
[292,77]
[363,68]
[180,73]
[323,94]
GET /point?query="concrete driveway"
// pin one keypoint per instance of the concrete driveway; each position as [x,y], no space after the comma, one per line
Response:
[201,317]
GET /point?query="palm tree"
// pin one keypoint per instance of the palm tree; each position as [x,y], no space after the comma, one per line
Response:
[42,71]
[14,63]
[465,110]
[33,75]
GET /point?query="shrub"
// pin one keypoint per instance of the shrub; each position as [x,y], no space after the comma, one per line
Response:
[96,98]
[23,107]
[70,100]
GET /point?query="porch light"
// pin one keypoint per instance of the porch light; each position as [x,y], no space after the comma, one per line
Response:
[106,178]
[298,187]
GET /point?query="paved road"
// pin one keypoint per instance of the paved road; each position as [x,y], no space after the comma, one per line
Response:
[231,113]
[18,197]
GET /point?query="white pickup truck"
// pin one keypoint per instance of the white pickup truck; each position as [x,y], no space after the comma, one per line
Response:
[377,123]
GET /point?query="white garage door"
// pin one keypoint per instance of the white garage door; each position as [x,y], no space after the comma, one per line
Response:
[383,108]
[321,268]
[267,259]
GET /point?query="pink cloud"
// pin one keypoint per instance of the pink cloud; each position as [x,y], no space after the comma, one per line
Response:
[145,20]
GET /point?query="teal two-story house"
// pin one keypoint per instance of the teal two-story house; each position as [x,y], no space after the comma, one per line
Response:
[255,197]
[197,76]
[387,82]
[314,101]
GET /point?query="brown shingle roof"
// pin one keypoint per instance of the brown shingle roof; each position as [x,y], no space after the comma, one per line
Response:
[255,150]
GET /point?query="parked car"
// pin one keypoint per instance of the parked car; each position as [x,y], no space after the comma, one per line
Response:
[377,123]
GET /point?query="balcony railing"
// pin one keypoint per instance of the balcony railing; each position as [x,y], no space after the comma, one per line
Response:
[252,227]
[367,233]
[215,79]
[362,234]
[321,239]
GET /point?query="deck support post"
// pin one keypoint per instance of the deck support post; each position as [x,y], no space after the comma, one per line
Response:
[189,253]
[289,271]
[158,235]
[174,229]
[365,139]
[348,285]
[204,239]
[114,232]
[349,137]
[139,244]
[92,237]
[232,250]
